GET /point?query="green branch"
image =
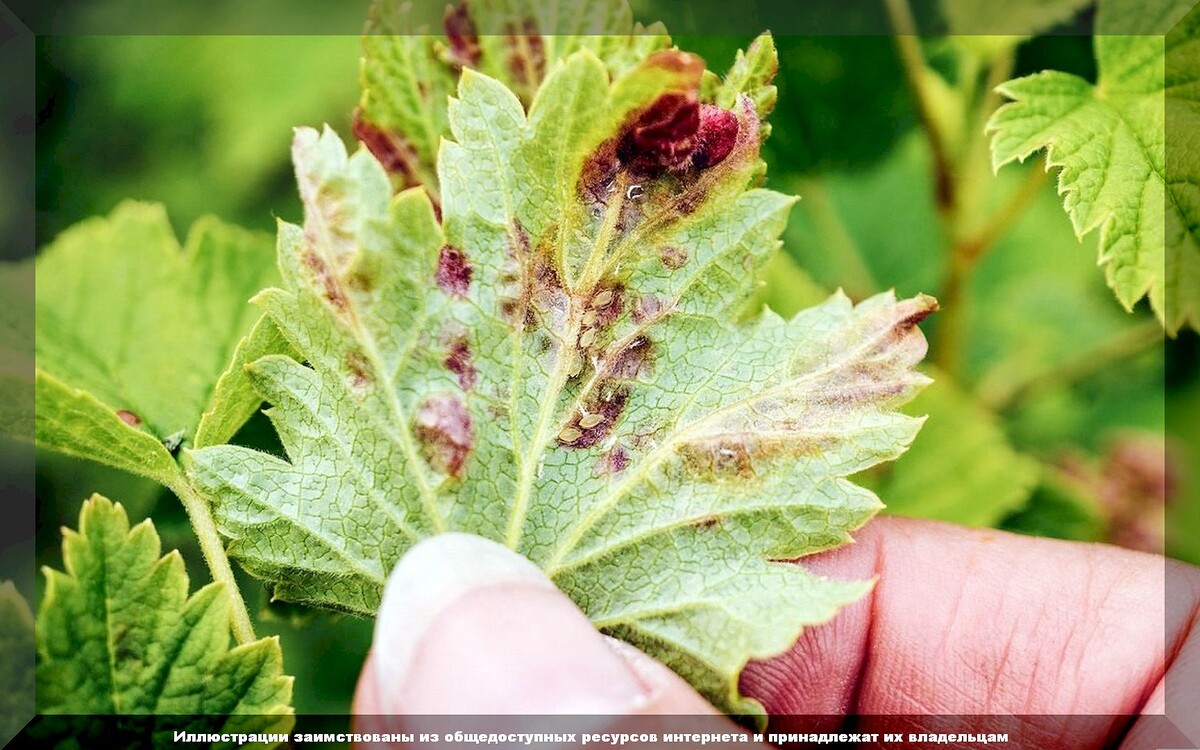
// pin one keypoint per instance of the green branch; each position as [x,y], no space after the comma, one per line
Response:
[1009,394]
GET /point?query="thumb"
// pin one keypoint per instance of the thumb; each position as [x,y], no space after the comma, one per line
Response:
[467,626]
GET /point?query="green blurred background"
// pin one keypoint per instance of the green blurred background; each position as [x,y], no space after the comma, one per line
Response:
[1051,420]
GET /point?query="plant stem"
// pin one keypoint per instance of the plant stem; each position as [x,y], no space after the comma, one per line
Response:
[965,255]
[946,187]
[956,182]
[214,554]
[908,47]
[976,245]
[856,277]
[1117,348]
[975,169]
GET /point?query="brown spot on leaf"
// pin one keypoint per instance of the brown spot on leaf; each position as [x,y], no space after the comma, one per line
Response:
[332,291]
[649,308]
[464,39]
[447,436]
[926,306]
[599,174]
[129,418]
[453,271]
[613,461]
[360,281]
[688,66]
[605,401]
[458,361]
[607,302]
[358,371]
[723,459]
[512,275]
[511,310]
[657,138]
[392,149]
[546,301]
[631,362]
[673,256]
[662,136]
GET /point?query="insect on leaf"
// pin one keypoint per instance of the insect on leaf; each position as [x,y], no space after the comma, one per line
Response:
[557,364]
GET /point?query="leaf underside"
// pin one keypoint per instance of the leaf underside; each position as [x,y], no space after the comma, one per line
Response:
[1127,158]
[117,633]
[555,363]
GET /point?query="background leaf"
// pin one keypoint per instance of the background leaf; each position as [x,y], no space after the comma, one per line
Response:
[200,123]
[16,662]
[118,634]
[1109,142]
[16,351]
[1021,17]
[961,439]
[133,332]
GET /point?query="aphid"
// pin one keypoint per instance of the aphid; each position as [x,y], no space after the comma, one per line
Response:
[569,435]
[174,440]
[588,421]
[574,365]
[588,338]
[589,318]
[129,417]
[603,299]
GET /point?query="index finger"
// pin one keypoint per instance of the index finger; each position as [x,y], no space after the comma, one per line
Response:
[969,622]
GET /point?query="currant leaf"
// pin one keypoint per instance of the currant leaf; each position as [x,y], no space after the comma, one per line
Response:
[556,362]
[1123,171]
[117,633]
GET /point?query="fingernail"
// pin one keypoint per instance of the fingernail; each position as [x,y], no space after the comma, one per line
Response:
[469,626]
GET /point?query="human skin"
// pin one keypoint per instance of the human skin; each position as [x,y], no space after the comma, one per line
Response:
[960,622]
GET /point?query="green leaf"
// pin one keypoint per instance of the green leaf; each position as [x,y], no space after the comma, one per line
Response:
[16,662]
[164,126]
[75,422]
[117,633]
[557,364]
[408,75]
[752,75]
[961,467]
[1108,140]
[133,332]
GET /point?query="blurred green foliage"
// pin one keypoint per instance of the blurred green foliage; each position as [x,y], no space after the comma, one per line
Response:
[1048,380]
[202,124]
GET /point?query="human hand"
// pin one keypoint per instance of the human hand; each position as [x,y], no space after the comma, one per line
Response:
[961,622]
